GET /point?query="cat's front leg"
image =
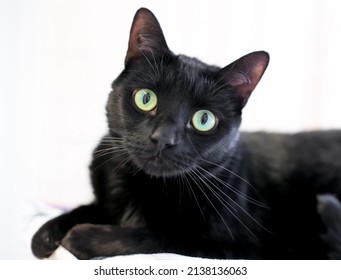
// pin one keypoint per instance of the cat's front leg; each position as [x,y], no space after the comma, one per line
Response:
[87,241]
[49,236]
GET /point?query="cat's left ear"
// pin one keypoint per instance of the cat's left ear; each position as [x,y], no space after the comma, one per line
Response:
[244,74]
[146,36]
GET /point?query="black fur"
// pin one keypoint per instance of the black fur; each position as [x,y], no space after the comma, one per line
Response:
[162,186]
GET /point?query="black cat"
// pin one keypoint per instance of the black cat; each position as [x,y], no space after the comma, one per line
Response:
[174,174]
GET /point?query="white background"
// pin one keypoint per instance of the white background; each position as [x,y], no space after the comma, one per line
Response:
[58,59]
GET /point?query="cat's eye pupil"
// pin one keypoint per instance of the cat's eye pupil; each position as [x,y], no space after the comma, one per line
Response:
[204,118]
[146,98]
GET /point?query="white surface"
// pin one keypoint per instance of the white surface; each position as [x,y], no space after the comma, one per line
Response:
[59,57]
[62,254]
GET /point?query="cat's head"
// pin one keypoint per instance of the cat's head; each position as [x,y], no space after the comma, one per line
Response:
[174,112]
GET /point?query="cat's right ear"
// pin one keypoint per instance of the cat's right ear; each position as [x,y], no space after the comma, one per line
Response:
[145,36]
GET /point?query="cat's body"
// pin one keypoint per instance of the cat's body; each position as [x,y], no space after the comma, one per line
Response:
[174,174]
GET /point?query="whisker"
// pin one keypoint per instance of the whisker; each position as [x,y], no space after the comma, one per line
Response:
[231,172]
[225,203]
[209,200]
[191,192]
[180,186]
[111,152]
[229,186]
[107,149]
[234,190]
[217,195]
[118,167]
[112,140]
[111,158]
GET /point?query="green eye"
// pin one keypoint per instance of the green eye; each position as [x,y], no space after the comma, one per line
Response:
[145,99]
[204,120]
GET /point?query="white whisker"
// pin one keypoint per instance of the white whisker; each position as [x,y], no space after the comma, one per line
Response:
[231,172]
[234,190]
[191,192]
[193,177]
[225,203]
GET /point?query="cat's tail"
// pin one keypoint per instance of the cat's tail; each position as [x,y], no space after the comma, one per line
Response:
[329,208]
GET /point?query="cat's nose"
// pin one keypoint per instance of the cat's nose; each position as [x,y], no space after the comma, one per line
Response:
[164,137]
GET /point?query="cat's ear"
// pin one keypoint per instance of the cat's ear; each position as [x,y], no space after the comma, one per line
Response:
[145,36]
[244,74]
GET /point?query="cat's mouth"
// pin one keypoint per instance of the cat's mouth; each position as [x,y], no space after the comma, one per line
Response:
[157,166]
[155,161]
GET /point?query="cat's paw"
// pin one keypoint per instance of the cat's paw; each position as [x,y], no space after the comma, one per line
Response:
[46,240]
[81,241]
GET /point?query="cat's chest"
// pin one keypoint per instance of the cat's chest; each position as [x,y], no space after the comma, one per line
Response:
[132,217]
[172,206]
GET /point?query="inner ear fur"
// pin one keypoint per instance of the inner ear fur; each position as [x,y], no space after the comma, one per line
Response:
[145,36]
[244,74]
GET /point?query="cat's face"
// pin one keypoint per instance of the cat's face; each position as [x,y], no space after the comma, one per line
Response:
[175,113]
